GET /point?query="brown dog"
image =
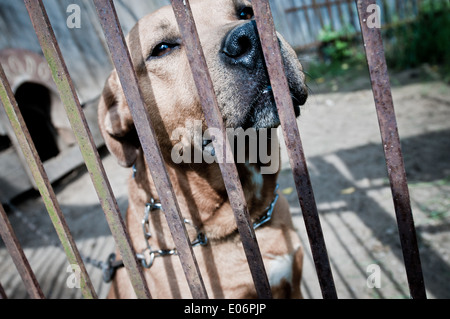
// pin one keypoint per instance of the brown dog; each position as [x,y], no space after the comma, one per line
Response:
[233,52]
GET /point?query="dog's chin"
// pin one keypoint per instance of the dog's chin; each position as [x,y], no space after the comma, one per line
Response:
[264,113]
[265,117]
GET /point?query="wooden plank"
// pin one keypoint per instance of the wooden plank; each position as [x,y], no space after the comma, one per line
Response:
[20,260]
[14,179]
[88,61]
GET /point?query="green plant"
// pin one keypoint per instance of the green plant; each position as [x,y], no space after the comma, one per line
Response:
[338,53]
[424,40]
[337,45]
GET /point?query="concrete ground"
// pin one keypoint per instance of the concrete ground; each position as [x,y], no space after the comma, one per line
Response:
[345,157]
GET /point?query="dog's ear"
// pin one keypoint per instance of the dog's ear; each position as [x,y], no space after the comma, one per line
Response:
[116,123]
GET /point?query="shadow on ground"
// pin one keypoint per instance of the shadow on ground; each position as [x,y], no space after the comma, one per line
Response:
[352,181]
[352,194]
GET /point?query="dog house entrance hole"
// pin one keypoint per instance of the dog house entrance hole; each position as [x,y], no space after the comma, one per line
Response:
[34,101]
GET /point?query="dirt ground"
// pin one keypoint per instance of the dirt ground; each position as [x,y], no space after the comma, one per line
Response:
[341,141]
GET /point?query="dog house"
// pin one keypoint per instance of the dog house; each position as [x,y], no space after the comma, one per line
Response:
[46,120]
[31,81]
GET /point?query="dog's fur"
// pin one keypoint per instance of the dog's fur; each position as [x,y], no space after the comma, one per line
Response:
[171,98]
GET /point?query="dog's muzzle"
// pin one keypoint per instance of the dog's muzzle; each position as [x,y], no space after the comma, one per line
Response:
[242,46]
[242,53]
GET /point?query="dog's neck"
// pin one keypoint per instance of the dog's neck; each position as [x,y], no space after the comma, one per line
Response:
[202,196]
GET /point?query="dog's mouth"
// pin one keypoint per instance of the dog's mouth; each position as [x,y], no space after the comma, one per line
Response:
[263,113]
[253,105]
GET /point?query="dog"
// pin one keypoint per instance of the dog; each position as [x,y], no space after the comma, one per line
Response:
[232,49]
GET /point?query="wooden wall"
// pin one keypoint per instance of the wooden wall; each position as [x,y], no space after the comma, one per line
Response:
[87,57]
[84,49]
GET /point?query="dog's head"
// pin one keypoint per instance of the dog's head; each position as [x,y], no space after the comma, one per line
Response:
[234,56]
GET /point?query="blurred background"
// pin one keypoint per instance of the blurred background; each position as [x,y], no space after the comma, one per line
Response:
[338,126]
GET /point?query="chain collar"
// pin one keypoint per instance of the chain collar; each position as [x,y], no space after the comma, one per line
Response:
[200,240]
[111,265]
[148,255]
[264,219]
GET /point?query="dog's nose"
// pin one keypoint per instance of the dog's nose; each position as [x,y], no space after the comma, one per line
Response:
[242,46]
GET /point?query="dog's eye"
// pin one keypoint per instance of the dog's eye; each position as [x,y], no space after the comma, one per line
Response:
[246,13]
[163,49]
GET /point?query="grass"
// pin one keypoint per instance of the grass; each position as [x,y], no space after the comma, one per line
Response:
[424,41]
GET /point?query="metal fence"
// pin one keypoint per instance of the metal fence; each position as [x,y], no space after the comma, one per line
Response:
[122,61]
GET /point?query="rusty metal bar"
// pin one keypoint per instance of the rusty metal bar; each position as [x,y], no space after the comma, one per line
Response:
[376,60]
[213,118]
[61,76]
[124,66]
[43,184]
[272,54]
[18,256]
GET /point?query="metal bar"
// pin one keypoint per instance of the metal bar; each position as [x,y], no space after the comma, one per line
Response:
[86,143]
[376,60]
[43,184]
[213,118]
[124,66]
[18,256]
[272,54]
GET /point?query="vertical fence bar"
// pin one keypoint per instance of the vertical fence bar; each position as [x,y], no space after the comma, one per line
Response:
[308,22]
[330,14]
[213,118]
[124,66]
[317,9]
[376,60]
[48,195]
[86,143]
[385,12]
[272,54]
[19,258]
[398,8]
[351,15]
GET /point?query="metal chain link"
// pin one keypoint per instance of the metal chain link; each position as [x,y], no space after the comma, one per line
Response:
[147,262]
